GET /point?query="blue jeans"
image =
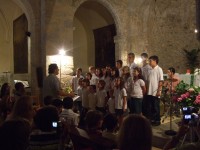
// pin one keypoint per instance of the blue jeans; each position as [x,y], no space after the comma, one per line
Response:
[153,108]
[135,105]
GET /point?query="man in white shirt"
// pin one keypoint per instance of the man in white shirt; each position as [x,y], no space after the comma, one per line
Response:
[155,81]
[75,79]
[131,63]
[94,78]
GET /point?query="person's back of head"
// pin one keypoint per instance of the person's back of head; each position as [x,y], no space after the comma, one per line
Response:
[5,90]
[135,133]
[93,120]
[19,86]
[23,108]
[45,117]
[68,103]
[58,103]
[14,135]
[48,100]
[110,122]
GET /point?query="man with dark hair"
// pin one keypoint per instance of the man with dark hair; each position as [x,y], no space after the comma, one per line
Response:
[52,85]
[19,90]
[155,81]
[119,65]
[71,118]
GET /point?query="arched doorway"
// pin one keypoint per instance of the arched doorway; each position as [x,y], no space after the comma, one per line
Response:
[93,36]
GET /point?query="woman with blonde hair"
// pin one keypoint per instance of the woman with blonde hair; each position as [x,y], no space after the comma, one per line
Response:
[22,109]
[135,133]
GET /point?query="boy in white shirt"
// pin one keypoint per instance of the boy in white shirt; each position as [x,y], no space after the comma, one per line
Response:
[92,97]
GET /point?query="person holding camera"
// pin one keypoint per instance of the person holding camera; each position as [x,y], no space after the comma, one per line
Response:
[190,124]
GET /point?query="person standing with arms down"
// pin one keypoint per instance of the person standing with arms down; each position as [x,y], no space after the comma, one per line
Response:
[52,85]
[154,81]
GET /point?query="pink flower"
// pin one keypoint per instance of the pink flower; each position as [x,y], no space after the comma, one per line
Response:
[179,99]
[183,96]
[187,94]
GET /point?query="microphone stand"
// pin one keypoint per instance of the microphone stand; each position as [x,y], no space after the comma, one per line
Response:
[170,131]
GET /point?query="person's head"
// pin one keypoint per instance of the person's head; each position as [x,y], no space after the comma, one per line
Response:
[118,64]
[110,122]
[135,133]
[171,71]
[101,84]
[153,61]
[99,72]
[144,56]
[53,69]
[19,86]
[92,88]
[131,57]
[126,70]
[78,71]
[68,103]
[92,69]
[5,90]
[114,72]
[85,83]
[93,120]
[119,82]
[45,117]
[58,103]
[48,100]
[14,135]
[80,81]
[23,108]
[137,73]
[88,76]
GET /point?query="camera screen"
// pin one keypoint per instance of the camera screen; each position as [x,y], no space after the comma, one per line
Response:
[54,124]
[187,117]
[184,108]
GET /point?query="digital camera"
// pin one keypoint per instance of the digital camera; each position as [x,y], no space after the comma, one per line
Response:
[190,115]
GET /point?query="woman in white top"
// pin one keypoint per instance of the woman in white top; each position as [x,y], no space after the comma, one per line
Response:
[137,90]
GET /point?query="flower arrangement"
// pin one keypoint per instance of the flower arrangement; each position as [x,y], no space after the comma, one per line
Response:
[186,95]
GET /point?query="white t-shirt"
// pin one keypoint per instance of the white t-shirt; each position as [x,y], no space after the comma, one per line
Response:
[111,105]
[119,94]
[136,88]
[145,71]
[92,100]
[70,117]
[94,79]
[132,67]
[155,75]
[101,95]
[75,82]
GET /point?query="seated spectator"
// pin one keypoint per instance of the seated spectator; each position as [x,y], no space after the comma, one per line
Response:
[71,118]
[48,100]
[6,102]
[14,135]
[19,90]
[135,133]
[22,109]
[58,103]
[94,120]
[111,123]
[45,136]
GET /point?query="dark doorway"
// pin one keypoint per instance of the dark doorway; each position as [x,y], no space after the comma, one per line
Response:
[104,46]
[20,44]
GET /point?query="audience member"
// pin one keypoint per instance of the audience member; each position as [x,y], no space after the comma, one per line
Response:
[19,90]
[22,109]
[135,133]
[48,100]
[14,135]
[94,120]
[71,118]
[58,103]
[111,124]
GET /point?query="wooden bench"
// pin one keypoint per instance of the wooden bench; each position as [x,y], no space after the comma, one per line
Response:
[83,141]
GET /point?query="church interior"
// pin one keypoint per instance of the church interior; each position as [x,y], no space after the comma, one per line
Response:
[34,33]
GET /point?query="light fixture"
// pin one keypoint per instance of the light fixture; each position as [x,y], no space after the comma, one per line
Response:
[195,31]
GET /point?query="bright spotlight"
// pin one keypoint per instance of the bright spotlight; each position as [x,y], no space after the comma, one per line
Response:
[62,52]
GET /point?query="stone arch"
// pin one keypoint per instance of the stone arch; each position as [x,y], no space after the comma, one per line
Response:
[109,7]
